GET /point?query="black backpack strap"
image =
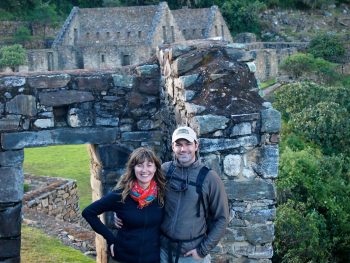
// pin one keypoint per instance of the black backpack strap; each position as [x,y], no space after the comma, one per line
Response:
[199,183]
[171,169]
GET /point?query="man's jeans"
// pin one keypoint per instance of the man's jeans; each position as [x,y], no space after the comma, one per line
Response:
[164,258]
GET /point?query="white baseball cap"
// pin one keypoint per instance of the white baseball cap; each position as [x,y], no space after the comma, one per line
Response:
[184,132]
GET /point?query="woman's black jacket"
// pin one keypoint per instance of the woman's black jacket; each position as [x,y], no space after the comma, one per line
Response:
[138,239]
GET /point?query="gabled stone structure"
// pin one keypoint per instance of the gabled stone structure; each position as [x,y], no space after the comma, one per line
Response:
[106,38]
[208,85]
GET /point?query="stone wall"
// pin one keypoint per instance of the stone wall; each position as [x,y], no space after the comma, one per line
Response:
[238,138]
[208,85]
[56,197]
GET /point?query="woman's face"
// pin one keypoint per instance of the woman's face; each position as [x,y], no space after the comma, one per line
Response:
[145,172]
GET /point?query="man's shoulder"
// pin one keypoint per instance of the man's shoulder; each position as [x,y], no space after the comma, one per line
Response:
[165,166]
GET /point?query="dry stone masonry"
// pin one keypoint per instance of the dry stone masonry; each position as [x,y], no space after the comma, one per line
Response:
[208,85]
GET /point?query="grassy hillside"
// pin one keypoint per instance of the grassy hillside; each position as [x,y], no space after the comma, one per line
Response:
[47,249]
[70,161]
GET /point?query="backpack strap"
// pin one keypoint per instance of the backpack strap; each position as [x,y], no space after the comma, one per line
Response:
[199,183]
[171,169]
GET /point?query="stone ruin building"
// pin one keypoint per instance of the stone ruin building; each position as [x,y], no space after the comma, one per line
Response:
[105,38]
[208,85]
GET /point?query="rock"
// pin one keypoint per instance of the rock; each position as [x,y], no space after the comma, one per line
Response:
[22,104]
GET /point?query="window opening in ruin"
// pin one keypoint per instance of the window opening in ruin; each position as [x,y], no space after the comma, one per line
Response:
[118,34]
[108,34]
[193,31]
[75,37]
[216,31]
[60,115]
[184,32]
[128,34]
[125,60]
[222,31]
[88,35]
[164,34]
[49,61]
[103,58]
[97,35]
[203,32]
[172,34]
[139,34]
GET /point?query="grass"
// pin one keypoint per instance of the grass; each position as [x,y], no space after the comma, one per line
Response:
[39,248]
[69,161]
[268,83]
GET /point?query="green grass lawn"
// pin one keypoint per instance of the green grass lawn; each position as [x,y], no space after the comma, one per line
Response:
[68,161]
[39,248]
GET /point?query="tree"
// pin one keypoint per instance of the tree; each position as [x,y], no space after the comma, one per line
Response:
[22,35]
[12,56]
[44,14]
[242,16]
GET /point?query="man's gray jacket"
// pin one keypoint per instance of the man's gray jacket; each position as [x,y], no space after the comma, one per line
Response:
[181,221]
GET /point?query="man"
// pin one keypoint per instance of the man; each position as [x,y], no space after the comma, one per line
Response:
[186,235]
[190,204]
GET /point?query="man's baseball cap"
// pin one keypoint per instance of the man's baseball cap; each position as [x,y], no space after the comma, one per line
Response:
[184,133]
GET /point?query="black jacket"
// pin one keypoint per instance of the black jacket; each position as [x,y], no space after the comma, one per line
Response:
[138,239]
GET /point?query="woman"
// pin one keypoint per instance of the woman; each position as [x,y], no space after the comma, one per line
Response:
[138,199]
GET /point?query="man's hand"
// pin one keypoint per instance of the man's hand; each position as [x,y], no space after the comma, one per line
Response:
[193,253]
[112,250]
[117,221]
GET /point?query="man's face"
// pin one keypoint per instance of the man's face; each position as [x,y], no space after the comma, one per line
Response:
[185,151]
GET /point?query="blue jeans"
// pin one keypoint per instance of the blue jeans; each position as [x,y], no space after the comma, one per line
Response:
[164,258]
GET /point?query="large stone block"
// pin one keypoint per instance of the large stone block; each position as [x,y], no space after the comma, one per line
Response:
[10,123]
[249,190]
[64,97]
[267,164]
[270,120]
[210,123]
[22,104]
[92,82]
[260,216]
[20,140]
[10,219]
[212,145]
[259,234]
[10,248]
[49,81]
[240,129]
[187,62]
[251,251]
[11,184]
[125,81]
[187,81]
[148,70]
[80,118]
[233,164]
[12,82]
[11,158]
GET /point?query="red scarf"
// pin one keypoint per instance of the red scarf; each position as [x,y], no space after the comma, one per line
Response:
[144,196]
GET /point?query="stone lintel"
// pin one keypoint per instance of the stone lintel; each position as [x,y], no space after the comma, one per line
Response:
[20,140]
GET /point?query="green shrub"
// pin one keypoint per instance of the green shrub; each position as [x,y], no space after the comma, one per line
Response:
[300,235]
[298,64]
[305,66]
[327,46]
[312,189]
[12,56]
[327,124]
